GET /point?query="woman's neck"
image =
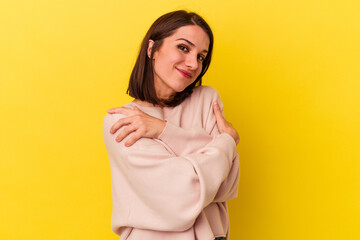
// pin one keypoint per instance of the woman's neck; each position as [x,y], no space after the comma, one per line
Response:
[144,103]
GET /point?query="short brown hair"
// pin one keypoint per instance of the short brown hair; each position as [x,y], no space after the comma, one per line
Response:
[141,84]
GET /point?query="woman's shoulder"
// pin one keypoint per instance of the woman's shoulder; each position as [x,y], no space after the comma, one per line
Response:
[205,93]
[110,119]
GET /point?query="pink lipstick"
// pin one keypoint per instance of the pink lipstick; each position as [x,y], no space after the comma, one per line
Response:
[184,73]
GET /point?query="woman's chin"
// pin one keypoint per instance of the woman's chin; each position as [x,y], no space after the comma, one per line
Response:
[180,88]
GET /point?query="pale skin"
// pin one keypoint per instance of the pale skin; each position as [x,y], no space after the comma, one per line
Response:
[170,58]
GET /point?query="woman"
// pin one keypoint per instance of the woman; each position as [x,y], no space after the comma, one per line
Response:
[173,156]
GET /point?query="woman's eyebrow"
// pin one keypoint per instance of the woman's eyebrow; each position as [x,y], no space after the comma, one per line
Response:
[192,44]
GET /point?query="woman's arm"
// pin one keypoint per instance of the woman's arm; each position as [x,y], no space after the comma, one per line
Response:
[159,190]
[143,125]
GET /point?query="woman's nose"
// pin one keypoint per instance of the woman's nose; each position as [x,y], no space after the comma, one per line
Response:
[192,62]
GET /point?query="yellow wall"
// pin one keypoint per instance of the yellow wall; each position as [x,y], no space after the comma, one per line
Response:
[289,76]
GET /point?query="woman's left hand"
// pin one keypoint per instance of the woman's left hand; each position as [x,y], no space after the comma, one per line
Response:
[137,122]
[223,125]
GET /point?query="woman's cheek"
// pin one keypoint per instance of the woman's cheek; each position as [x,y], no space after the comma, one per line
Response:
[177,56]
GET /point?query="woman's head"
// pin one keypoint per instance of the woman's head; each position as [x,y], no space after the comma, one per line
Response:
[184,41]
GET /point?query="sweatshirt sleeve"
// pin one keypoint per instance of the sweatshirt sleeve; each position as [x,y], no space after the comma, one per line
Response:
[184,141]
[155,189]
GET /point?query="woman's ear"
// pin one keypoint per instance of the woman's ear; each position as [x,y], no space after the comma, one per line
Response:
[149,49]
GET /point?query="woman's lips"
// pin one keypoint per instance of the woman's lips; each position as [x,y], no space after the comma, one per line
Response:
[184,73]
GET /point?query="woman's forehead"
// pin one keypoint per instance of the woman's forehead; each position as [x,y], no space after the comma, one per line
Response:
[192,33]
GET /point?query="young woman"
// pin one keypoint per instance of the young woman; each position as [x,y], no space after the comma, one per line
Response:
[172,154]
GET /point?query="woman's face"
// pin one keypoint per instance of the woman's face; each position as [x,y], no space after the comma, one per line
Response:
[178,61]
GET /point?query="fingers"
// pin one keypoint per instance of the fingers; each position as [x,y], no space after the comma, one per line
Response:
[115,110]
[136,125]
[218,115]
[132,127]
[120,123]
[125,132]
[217,110]
[138,132]
[136,136]
[128,125]
[124,110]
[223,125]
[129,112]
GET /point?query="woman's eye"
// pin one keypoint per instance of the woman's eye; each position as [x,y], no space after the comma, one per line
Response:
[182,48]
[201,58]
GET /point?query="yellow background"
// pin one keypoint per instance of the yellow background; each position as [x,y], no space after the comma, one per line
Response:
[289,76]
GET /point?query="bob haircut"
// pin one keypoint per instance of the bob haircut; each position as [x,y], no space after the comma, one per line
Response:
[141,84]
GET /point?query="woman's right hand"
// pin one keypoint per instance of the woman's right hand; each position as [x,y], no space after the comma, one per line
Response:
[223,125]
[142,125]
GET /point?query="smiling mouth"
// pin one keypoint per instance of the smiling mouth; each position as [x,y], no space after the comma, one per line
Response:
[184,73]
